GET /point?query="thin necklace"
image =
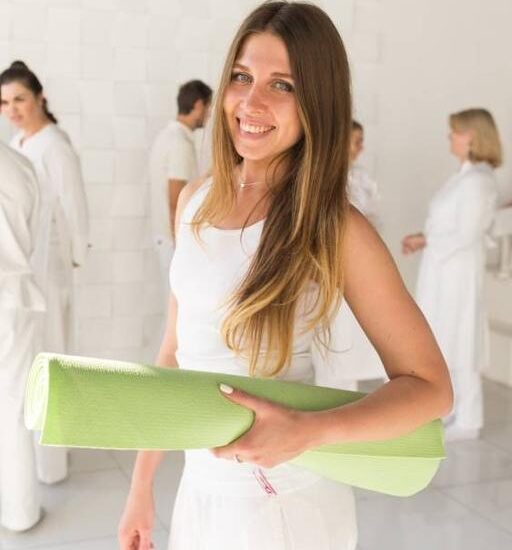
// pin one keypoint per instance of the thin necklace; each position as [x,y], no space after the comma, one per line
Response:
[242,184]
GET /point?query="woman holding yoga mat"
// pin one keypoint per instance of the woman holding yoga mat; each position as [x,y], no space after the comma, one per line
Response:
[61,241]
[265,249]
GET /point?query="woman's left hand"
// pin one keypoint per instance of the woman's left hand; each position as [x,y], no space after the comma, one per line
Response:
[277,434]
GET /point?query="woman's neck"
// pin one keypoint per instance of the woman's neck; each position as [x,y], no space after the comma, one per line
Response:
[37,125]
[251,171]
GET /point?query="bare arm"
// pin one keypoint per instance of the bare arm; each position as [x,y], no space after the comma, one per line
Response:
[174,189]
[138,517]
[419,389]
[148,461]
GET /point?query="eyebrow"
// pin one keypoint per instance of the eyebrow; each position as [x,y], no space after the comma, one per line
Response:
[282,75]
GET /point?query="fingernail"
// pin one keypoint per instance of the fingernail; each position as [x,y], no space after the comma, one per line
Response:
[224,388]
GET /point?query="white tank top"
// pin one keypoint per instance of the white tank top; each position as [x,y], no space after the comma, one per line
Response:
[203,275]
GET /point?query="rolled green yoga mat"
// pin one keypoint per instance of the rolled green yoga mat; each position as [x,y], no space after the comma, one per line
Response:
[95,403]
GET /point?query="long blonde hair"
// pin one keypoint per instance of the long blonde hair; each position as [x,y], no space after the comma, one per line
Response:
[302,236]
[485,143]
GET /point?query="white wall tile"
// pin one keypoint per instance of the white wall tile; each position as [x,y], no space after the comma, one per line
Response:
[63,25]
[127,299]
[153,300]
[130,234]
[161,99]
[161,31]
[367,107]
[5,56]
[195,34]
[5,21]
[192,9]
[98,165]
[97,268]
[94,335]
[129,200]
[97,62]
[367,47]
[368,16]
[97,27]
[28,23]
[131,168]
[129,98]
[161,66]
[136,6]
[97,98]
[94,301]
[191,66]
[63,94]
[97,132]
[101,4]
[153,332]
[99,199]
[63,60]
[128,267]
[164,7]
[32,53]
[130,65]
[130,132]
[152,271]
[130,30]
[100,233]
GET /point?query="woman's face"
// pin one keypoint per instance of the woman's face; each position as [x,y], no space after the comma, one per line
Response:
[20,105]
[460,144]
[260,105]
[356,144]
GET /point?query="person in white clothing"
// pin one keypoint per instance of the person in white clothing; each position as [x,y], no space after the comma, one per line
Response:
[21,301]
[350,357]
[264,248]
[173,163]
[62,238]
[363,191]
[450,282]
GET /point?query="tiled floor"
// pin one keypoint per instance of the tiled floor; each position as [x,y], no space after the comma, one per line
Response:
[468,506]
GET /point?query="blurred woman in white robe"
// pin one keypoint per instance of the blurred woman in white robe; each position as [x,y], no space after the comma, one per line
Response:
[450,282]
[345,356]
[62,238]
[21,302]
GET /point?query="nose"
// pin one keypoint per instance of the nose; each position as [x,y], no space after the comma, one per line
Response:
[254,101]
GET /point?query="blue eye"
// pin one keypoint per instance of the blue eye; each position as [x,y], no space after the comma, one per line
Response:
[243,78]
[283,86]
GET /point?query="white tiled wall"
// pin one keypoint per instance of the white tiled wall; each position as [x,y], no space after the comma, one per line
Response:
[111,70]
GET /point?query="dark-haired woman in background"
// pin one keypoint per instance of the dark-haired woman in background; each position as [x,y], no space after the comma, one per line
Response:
[62,240]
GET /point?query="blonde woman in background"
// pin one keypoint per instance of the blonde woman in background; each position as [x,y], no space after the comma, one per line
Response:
[450,282]
[61,242]
[264,249]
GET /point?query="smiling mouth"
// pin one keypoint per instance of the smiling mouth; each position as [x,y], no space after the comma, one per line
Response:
[255,129]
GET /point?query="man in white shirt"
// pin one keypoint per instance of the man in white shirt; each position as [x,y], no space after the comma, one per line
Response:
[173,163]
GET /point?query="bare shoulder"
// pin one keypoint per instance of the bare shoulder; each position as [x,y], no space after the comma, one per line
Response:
[362,242]
[372,282]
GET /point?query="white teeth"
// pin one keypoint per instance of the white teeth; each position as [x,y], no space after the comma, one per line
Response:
[252,129]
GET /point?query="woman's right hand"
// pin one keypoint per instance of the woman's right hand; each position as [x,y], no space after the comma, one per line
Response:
[136,523]
[413,243]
